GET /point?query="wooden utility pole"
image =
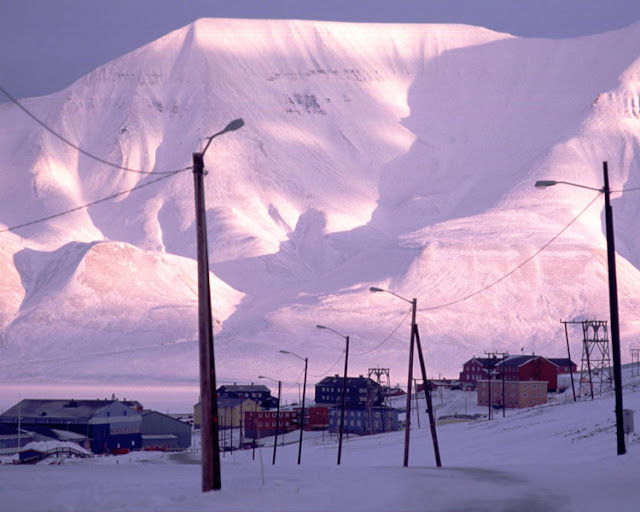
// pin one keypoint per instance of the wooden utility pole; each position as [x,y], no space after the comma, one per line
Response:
[566,334]
[208,400]
[427,393]
[492,358]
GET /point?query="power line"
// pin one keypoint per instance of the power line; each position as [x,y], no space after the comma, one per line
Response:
[76,147]
[112,196]
[332,367]
[634,189]
[386,339]
[296,382]
[91,355]
[518,267]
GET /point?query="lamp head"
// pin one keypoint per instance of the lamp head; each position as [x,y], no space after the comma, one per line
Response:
[234,125]
[375,289]
[285,352]
[545,183]
[320,326]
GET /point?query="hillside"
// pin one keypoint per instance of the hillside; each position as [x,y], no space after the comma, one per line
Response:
[400,156]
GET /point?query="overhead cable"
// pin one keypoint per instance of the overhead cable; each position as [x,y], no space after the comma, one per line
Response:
[386,339]
[112,196]
[477,292]
[332,367]
[76,147]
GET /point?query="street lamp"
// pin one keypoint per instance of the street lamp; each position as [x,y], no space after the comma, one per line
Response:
[304,390]
[613,297]
[275,441]
[432,423]
[208,400]
[407,426]
[344,388]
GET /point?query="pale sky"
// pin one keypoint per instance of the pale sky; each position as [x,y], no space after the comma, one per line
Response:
[45,45]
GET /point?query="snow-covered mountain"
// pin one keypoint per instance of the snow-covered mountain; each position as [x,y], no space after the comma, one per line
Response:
[398,156]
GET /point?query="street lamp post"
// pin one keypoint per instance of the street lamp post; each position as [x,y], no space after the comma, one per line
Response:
[304,390]
[210,444]
[275,441]
[415,339]
[344,388]
[613,298]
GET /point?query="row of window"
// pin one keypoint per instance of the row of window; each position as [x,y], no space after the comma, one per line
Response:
[534,385]
[274,414]
[124,430]
[273,424]
[326,389]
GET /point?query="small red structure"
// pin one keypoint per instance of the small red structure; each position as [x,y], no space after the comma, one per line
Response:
[318,418]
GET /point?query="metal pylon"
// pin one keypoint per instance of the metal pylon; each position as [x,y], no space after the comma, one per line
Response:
[596,361]
[635,362]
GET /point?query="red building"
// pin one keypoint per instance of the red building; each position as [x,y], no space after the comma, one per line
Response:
[515,368]
[475,369]
[528,368]
[259,424]
[316,418]
[565,365]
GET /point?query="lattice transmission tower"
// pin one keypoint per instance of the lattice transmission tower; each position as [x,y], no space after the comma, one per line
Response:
[596,361]
[635,362]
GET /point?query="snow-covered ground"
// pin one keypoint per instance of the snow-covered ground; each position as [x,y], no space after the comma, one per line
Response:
[557,457]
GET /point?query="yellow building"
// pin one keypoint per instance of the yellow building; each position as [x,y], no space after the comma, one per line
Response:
[230,412]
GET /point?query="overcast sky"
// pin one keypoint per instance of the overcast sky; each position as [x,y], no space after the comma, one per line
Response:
[45,45]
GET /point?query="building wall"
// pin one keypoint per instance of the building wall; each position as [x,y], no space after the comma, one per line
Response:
[317,418]
[359,389]
[116,427]
[9,442]
[228,417]
[233,417]
[263,423]
[155,423]
[519,394]
[254,394]
[472,372]
[542,370]
[363,421]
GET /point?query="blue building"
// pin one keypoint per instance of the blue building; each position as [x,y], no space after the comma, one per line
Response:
[12,441]
[361,392]
[258,393]
[363,421]
[109,425]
